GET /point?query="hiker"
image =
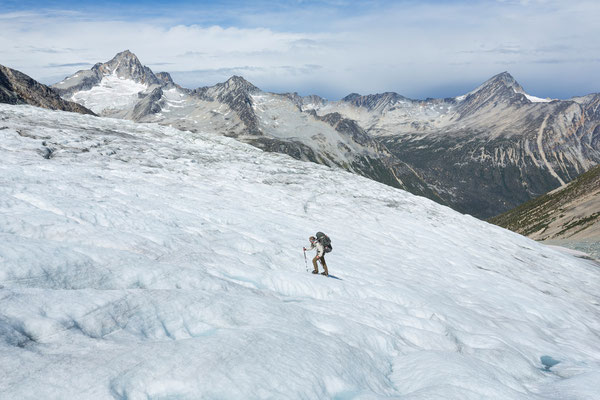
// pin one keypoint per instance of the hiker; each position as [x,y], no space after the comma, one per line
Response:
[314,243]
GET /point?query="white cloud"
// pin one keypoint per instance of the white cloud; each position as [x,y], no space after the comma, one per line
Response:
[418,49]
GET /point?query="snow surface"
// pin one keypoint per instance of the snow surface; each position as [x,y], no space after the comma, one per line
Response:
[112,93]
[143,262]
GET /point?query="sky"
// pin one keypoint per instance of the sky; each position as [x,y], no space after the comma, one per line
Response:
[420,49]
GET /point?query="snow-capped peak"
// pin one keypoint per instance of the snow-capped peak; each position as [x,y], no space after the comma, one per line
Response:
[126,65]
[112,86]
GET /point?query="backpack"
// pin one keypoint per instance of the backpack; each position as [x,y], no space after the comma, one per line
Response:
[325,241]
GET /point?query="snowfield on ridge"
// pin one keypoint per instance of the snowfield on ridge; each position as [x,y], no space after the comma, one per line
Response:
[142,262]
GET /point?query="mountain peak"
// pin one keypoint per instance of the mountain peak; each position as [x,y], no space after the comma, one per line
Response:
[237,82]
[126,65]
[123,59]
[505,79]
[500,86]
[126,54]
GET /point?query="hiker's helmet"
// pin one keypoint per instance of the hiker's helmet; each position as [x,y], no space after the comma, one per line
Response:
[312,239]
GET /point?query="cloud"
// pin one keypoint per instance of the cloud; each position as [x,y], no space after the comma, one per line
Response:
[256,74]
[80,64]
[414,48]
[497,50]
[578,61]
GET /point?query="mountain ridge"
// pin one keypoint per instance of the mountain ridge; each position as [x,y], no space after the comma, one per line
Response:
[482,153]
[488,150]
[238,109]
[18,88]
[570,212]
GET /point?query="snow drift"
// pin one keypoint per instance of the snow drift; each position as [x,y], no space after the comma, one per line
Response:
[139,261]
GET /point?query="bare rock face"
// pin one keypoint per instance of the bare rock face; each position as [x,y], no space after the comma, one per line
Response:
[236,93]
[18,88]
[150,104]
[165,78]
[374,102]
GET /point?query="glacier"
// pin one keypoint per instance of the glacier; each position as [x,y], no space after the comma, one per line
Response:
[113,93]
[138,261]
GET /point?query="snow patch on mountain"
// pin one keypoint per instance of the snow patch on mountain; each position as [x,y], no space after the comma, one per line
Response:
[111,94]
[534,99]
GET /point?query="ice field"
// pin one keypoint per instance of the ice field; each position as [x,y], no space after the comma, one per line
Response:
[142,262]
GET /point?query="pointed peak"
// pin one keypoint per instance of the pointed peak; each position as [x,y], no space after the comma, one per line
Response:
[239,83]
[126,65]
[503,75]
[126,54]
[504,79]
[124,58]
[237,80]
[502,84]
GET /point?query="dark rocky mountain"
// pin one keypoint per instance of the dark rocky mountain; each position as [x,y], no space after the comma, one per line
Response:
[375,102]
[18,88]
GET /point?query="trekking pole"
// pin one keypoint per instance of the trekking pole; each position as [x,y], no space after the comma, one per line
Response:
[305,262]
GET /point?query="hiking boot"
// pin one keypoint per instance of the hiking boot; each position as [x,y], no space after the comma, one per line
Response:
[324,273]
[315,272]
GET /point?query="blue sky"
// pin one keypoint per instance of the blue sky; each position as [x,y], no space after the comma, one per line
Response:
[331,48]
